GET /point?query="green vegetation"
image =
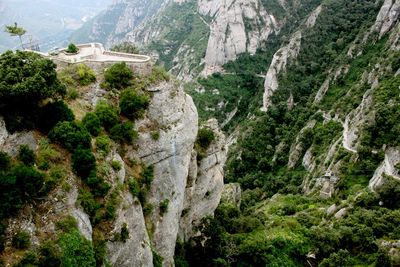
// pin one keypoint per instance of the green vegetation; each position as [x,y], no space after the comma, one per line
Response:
[132,104]
[53,113]
[103,144]
[126,47]
[72,49]
[164,206]
[123,133]
[21,240]
[26,155]
[77,75]
[92,123]
[118,76]
[70,135]
[83,162]
[107,115]
[26,80]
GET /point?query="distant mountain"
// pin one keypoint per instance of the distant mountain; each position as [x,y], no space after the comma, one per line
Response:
[49,21]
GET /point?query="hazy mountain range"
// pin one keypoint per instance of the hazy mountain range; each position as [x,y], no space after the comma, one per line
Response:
[51,22]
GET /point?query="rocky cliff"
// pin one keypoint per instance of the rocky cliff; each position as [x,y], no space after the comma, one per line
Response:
[190,189]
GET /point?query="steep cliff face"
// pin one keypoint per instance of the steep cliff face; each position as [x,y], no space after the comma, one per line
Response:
[182,191]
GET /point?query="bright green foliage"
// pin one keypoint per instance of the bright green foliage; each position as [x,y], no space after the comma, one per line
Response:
[72,48]
[118,76]
[92,123]
[26,79]
[83,162]
[53,113]
[103,144]
[123,133]
[107,115]
[77,251]
[26,155]
[134,187]
[70,135]
[68,224]
[77,75]
[21,240]
[87,201]
[116,165]
[132,104]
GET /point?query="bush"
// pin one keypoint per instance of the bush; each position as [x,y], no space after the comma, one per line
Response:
[124,233]
[87,202]
[27,79]
[70,135]
[134,187]
[205,137]
[107,115]
[67,225]
[103,144]
[118,76]
[164,206]
[92,123]
[26,155]
[5,160]
[28,180]
[21,240]
[123,133]
[72,48]
[116,165]
[53,113]
[83,162]
[76,250]
[132,104]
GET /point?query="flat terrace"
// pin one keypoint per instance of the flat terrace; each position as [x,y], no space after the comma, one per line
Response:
[95,52]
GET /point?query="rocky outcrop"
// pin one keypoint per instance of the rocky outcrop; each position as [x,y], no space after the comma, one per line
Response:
[136,250]
[238,26]
[205,183]
[175,115]
[283,56]
[387,167]
[388,16]
[297,148]
[232,194]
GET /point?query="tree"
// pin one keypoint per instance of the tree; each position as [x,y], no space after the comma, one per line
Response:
[72,48]
[26,79]
[92,123]
[118,76]
[83,162]
[133,104]
[15,31]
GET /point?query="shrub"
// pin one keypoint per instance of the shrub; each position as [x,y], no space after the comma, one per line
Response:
[72,93]
[103,144]
[67,225]
[116,165]
[164,206]
[134,187]
[5,160]
[76,250]
[27,79]
[118,76]
[54,112]
[124,233]
[132,104]
[26,155]
[205,137]
[70,135]
[147,209]
[21,240]
[77,75]
[123,133]
[148,175]
[107,115]
[87,202]
[72,48]
[92,123]
[83,162]
[28,180]
[155,135]
[30,258]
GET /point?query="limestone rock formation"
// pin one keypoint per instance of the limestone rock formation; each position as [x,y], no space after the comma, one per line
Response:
[205,183]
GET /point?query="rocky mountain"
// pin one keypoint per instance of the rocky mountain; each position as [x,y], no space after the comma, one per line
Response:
[306,93]
[191,37]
